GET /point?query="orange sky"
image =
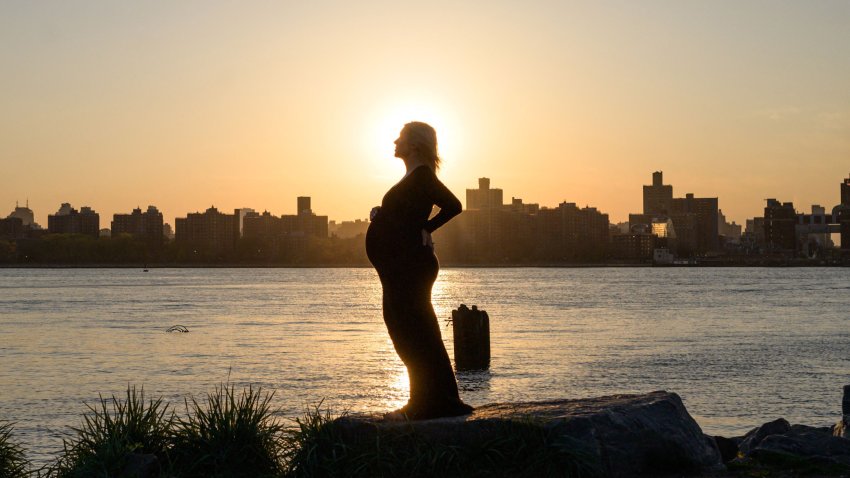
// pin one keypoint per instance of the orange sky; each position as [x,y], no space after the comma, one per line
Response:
[184,105]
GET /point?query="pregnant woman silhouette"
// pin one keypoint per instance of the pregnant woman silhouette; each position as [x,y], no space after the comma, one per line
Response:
[399,245]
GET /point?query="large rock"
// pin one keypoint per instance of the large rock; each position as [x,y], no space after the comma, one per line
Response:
[812,444]
[756,435]
[618,436]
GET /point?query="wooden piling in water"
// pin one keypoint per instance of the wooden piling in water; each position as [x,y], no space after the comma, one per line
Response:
[471,330]
[845,401]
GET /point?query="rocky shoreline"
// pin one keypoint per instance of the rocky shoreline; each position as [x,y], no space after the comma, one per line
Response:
[623,436]
[823,450]
[617,436]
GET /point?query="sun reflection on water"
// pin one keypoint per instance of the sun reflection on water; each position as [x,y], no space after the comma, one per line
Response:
[399,387]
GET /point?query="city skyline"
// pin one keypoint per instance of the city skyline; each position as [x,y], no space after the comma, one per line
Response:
[686,229]
[171,216]
[115,103]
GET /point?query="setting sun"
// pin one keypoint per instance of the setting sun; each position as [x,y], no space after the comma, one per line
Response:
[388,120]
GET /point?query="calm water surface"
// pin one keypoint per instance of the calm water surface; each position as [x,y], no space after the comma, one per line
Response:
[741,346]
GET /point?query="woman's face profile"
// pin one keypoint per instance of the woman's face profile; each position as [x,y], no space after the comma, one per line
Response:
[402,145]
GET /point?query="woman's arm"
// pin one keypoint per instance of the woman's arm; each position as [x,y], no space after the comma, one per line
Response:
[440,195]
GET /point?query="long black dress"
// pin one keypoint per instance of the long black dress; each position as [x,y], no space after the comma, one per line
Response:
[407,270]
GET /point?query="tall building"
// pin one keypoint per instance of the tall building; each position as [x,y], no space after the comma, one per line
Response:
[780,220]
[304,207]
[308,223]
[20,224]
[242,213]
[694,219]
[25,214]
[658,197]
[211,230]
[68,220]
[483,197]
[146,225]
[556,231]
[592,233]
[841,215]
[705,213]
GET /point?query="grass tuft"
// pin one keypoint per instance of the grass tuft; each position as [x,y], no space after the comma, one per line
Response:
[229,436]
[13,462]
[111,433]
[314,448]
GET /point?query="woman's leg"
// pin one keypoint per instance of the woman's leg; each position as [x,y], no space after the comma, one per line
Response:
[396,308]
[436,374]
[415,332]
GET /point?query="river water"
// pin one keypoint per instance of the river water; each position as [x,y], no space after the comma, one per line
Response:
[740,345]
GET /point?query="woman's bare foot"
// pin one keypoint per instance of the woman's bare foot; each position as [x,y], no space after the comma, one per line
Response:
[396,416]
[428,412]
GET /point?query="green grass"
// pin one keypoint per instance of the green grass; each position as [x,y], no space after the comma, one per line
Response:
[112,431]
[226,435]
[229,436]
[13,461]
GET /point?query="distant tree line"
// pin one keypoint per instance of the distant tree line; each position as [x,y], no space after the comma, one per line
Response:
[453,248]
[125,249]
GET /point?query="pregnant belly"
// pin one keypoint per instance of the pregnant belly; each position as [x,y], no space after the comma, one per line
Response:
[387,245]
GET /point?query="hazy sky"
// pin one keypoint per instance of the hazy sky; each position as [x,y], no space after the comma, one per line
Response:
[188,104]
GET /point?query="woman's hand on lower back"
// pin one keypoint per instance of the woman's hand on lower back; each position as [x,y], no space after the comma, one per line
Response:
[426,239]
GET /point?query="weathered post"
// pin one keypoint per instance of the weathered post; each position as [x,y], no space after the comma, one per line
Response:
[845,401]
[842,428]
[471,330]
